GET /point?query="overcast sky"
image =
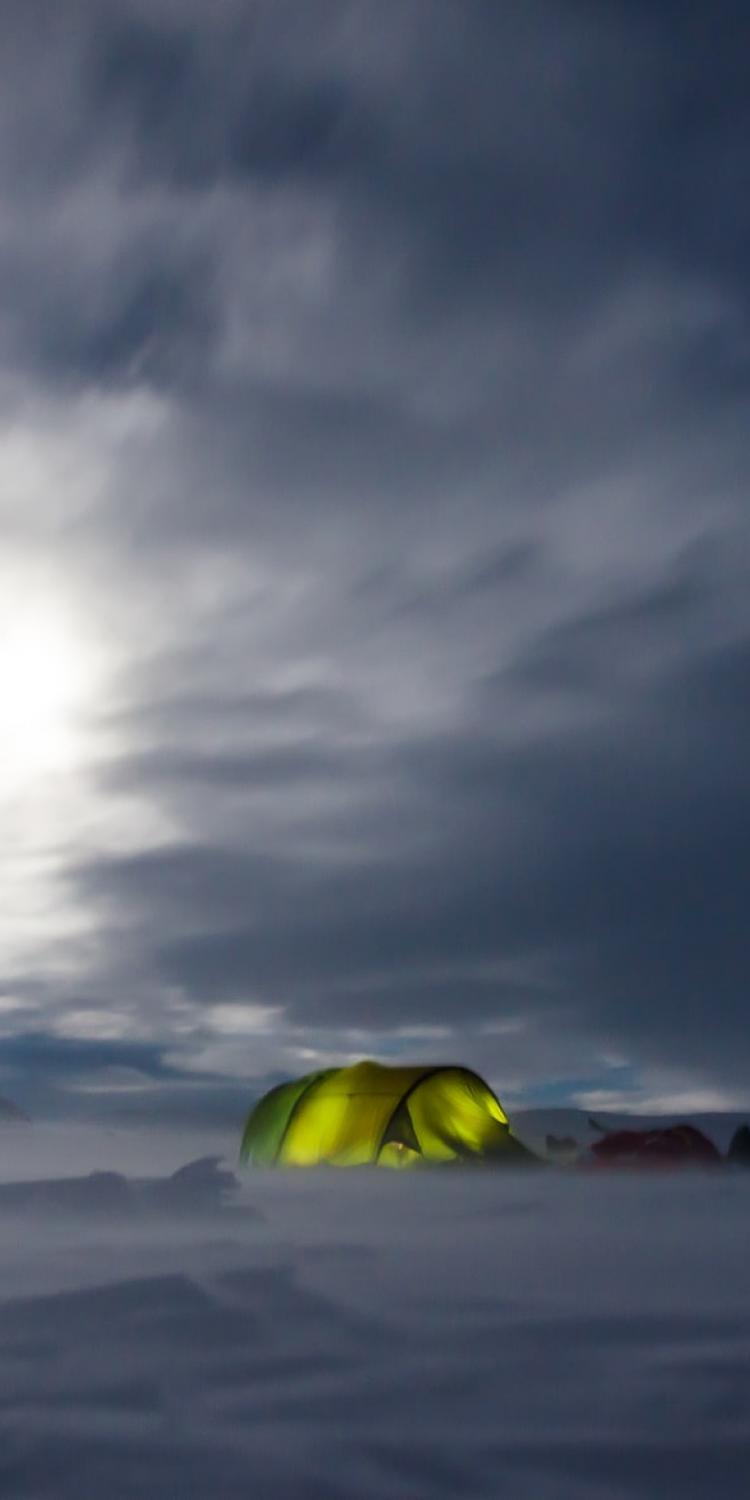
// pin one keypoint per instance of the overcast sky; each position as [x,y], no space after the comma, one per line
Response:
[374,609]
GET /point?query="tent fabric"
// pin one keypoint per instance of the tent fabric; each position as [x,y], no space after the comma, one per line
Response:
[739,1147]
[668,1146]
[390,1116]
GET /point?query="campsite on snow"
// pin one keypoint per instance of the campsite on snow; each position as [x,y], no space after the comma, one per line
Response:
[325,1333]
[374,731]
[398,1118]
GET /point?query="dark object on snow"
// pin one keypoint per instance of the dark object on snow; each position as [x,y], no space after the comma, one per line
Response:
[739,1147]
[196,1188]
[594,1125]
[100,1192]
[200,1184]
[10,1114]
[668,1146]
[561,1146]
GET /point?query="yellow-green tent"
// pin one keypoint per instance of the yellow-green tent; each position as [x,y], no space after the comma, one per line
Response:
[392,1117]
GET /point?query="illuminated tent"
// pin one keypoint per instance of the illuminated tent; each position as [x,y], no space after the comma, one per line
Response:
[392,1117]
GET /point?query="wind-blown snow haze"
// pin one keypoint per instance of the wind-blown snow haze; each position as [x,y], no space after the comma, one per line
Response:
[371,1334]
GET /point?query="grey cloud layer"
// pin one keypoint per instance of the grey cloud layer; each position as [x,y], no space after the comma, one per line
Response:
[441,528]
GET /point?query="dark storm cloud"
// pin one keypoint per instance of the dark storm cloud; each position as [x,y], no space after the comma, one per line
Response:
[142,321]
[517,162]
[596,649]
[203,103]
[65,1077]
[438,711]
[76,1057]
[624,852]
[464,150]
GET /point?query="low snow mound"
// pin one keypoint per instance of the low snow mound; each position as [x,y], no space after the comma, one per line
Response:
[10,1114]
[199,1187]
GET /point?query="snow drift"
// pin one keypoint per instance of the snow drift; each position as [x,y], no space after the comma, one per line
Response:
[326,1335]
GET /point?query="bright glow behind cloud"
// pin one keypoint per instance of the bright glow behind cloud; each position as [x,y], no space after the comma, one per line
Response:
[47,682]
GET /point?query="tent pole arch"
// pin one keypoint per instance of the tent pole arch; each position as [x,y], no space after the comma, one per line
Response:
[404,1100]
[424,1078]
[317,1079]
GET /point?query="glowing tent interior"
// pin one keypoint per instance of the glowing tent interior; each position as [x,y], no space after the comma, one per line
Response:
[387,1116]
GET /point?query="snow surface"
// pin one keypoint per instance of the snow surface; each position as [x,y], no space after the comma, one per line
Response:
[531,1335]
